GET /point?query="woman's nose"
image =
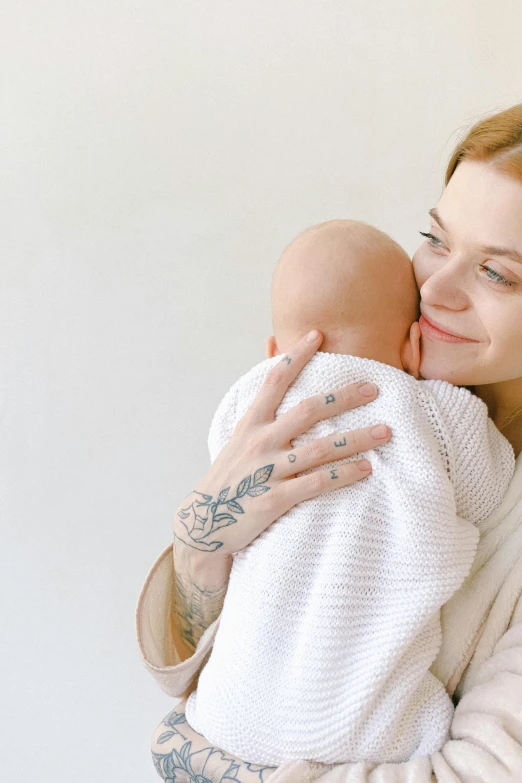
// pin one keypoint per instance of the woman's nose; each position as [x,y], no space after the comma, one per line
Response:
[444,288]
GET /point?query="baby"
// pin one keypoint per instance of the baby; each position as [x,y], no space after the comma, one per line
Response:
[331,620]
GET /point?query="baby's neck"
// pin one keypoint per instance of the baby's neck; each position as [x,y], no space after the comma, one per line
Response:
[364,348]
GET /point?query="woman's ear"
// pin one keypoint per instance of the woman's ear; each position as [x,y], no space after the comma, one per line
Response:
[410,355]
[271,348]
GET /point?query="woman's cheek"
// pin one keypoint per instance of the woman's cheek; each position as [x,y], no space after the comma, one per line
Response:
[421,267]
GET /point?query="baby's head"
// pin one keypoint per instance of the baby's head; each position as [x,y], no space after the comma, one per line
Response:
[353,283]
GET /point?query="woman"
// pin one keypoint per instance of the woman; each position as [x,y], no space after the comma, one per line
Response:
[469,272]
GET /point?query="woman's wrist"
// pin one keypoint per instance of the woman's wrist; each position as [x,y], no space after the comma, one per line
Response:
[210,571]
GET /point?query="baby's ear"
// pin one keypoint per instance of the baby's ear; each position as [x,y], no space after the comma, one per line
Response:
[411,351]
[271,348]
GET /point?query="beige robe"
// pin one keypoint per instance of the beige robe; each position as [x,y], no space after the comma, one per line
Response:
[480,661]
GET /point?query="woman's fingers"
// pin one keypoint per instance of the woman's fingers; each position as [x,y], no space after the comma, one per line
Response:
[305,487]
[329,449]
[281,376]
[322,406]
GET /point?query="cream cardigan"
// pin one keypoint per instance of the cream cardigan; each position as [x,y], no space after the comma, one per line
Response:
[480,662]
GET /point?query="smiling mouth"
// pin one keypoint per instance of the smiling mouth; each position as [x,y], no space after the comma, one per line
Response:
[433,332]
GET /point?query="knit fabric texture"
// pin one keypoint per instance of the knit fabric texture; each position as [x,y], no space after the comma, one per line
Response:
[331,619]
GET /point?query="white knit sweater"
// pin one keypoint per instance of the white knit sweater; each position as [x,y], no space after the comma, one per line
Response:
[331,619]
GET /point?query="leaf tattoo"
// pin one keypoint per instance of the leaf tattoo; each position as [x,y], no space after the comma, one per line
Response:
[223,495]
[244,486]
[232,505]
[165,737]
[262,475]
[254,492]
[200,519]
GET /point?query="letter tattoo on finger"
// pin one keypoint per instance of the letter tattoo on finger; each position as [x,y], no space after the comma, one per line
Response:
[329,398]
[286,359]
[333,474]
[292,458]
[340,442]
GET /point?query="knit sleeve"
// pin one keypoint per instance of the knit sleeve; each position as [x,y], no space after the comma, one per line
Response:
[485,744]
[158,642]
[481,461]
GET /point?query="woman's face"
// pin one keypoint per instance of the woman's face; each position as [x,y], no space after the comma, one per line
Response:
[469,272]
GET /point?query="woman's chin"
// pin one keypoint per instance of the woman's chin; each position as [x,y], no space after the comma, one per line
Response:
[456,363]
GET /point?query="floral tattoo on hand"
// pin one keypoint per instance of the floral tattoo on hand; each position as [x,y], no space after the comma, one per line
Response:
[201,519]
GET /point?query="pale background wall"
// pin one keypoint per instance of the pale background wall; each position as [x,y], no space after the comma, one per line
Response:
[156,157]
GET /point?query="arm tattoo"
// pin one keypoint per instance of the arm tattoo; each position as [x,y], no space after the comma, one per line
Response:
[197,608]
[200,520]
[180,753]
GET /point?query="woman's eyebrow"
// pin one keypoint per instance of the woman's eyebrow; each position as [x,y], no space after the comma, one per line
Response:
[437,218]
[490,250]
[509,252]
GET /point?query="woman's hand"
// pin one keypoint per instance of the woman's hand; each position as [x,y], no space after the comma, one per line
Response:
[253,480]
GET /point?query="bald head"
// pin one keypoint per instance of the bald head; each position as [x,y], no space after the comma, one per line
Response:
[352,282]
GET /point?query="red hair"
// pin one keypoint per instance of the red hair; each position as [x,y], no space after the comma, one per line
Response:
[497,139]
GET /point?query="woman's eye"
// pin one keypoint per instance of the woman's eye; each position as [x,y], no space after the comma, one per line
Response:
[433,240]
[492,275]
[495,277]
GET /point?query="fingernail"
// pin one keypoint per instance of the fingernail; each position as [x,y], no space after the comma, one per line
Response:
[379,432]
[312,336]
[367,390]
[364,465]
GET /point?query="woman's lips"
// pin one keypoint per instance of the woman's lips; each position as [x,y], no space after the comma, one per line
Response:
[434,333]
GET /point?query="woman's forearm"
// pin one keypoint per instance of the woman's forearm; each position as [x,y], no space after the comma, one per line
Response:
[199,591]
[180,753]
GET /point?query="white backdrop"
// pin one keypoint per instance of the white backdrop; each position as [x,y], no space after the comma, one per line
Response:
[156,157]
